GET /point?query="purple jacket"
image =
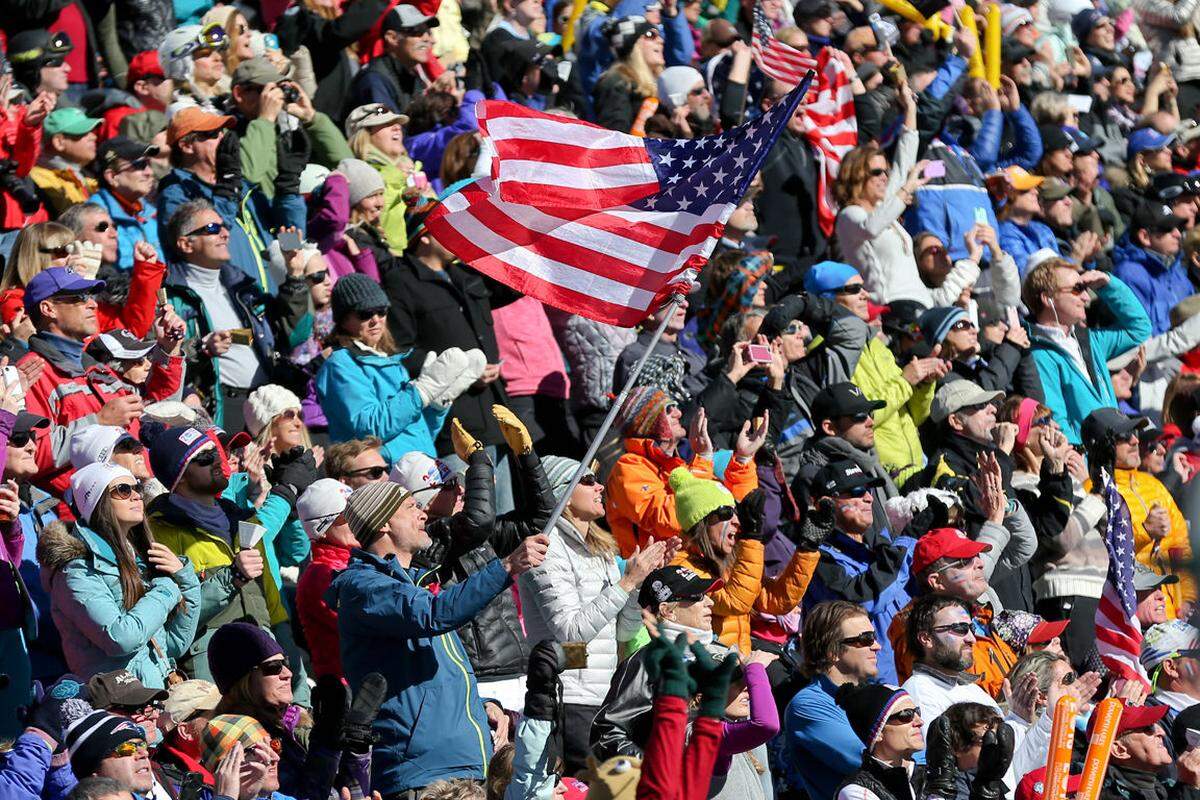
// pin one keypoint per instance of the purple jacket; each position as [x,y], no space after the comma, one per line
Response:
[429,146]
[328,216]
[761,726]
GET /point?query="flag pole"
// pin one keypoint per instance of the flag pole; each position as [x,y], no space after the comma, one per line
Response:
[585,462]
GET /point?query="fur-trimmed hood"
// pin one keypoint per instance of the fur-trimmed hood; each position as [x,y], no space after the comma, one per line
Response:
[57,546]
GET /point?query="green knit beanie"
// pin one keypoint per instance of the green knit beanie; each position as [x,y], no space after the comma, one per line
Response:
[696,498]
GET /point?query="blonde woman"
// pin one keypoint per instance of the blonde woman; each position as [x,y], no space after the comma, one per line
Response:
[237,29]
[622,91]
[376,136]
[37,248]
[194,57]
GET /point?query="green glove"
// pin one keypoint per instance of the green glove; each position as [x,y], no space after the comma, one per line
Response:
[712,680]
[665,668]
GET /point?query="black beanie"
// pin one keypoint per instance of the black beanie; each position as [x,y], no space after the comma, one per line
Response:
[235,649]
[91,739]
[867,707]
[356,292]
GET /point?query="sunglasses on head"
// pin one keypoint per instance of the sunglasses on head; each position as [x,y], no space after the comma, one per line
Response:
[374,473]
[722,514]
[864,639]
[903,717]
[853,288]
[317,278]
[211,229]
[272,668]
[130,748]
[956,628]
[124,491]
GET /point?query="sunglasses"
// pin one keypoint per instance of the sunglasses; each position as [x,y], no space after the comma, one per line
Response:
[374,473]
[1075,288]
[793,328]
[370,313]
[856,493]
[137,165]
[54,63]
[124,491]
[102,226]
[722,514]
[853,288]
[317,278]
[864,639]
[588,480]
[21,439]
[651,34]
[290,414]
[877,172]
[958,563]
[130,748]
[903,717]
[963,325]
[273,668]
[1041,422]
[211,229]
[698,92]
[1126,438]
[956,628]
[1069,678]
[144,710]
[204,136]
[74,299]
[205,459]
[420,30]
[57,252]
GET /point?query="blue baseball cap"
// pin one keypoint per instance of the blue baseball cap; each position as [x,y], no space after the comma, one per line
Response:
[1144,139]
[826,277]
[57,280]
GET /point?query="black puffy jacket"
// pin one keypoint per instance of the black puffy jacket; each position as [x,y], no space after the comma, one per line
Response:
[465,542]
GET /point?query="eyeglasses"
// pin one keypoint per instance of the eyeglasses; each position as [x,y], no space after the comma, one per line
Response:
[205,459]
[57,252]
[370,313]
[722,514]
[124,491]
[317,278]
[877,172]
[74,299]
[903,717]
[963,325]
[864,639]
[956,628]
[272,668]
[137,165]
[588,480]
[211,229]
[130,748]
[853,288]
[21,439]
[374,473]
[102,226]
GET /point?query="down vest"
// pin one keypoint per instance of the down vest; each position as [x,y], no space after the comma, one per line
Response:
[574,597]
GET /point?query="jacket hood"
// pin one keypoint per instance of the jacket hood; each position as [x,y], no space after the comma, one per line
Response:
[1127,250]
[57,546]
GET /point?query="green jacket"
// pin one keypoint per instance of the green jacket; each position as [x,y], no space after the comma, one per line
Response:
[896,439]
[395,182]
[258,149]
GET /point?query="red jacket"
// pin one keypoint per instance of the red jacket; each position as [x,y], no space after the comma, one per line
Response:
[676,767]
[70,398]
[317,620]
[22,143]
[141,303]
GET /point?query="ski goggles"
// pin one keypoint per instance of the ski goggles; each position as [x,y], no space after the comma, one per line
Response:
[57,46]
[211,37]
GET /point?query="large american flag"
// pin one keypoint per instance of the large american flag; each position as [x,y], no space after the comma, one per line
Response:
[596,222]
[830,123]
[1118,632]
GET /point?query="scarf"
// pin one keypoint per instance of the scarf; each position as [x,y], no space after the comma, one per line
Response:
[213,519]
[673,629]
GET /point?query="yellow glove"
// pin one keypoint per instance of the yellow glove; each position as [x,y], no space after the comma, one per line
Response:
[515,432]
[464,443]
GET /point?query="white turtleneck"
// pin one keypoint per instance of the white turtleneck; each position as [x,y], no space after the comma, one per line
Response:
[240,366]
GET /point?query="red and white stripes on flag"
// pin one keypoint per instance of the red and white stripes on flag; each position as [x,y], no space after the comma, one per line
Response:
[831,127]
[1118,631]
[777,59]
[596,222]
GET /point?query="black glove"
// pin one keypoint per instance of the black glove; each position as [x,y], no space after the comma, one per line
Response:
[229,167]
[293,477]
[292,150]
[543,689]
[816,525]
[941,767]
[23,190]
[330,704]
[995,757]
[357,735]
[750,516]
[53,710]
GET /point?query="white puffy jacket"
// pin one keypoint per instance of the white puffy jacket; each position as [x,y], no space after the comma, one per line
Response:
[574,597]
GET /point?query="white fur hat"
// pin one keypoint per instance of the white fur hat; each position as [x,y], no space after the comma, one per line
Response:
[265,404]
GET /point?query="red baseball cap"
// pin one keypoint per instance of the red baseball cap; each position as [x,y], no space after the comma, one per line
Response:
[1033,785]
[1046,631]
[944,543]
[1134,718]
[144,64]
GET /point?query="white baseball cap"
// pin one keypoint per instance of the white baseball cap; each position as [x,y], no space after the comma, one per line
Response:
[95,444]
[416,471]
[321,505]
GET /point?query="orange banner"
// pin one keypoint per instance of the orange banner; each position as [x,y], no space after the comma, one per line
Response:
[1104,729]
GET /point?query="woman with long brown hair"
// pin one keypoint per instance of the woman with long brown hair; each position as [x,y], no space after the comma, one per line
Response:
[120,599]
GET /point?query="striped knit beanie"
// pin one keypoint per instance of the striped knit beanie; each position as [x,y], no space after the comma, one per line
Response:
[559,471]
[92,738]
[867,707]
[223,732]
[644,414]
[370,507]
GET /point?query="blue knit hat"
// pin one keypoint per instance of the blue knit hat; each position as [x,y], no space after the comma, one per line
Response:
[826,277]
[172,449]
[936,323]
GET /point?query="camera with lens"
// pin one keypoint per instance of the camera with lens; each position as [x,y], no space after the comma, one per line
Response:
[290,93]
[22,190]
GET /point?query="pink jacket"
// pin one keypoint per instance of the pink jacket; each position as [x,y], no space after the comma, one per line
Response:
[533,364]
[327,221]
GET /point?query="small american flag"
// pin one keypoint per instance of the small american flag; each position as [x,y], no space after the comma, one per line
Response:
[596,222]
[777,59]
[1118,632]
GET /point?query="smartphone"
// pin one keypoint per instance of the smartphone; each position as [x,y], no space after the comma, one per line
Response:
[759,353]
[981,217]
[1012,318]
[289,240]
[1082,103]
[13,378]
[935,169]
[241,335]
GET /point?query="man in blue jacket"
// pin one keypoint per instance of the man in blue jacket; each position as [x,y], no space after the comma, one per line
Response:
[1148,260]
[820,748]
[433,724]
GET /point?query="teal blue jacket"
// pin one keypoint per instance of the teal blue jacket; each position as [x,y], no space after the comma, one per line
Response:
[98,633]
[1070,394]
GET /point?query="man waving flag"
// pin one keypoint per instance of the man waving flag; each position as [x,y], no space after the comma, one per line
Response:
[596,222]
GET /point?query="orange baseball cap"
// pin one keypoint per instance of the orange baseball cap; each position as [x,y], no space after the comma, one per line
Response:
[1021,180]
[195,120]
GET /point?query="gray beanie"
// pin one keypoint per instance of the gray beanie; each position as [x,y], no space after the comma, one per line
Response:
[364,180]
[356,292]
[559,471]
